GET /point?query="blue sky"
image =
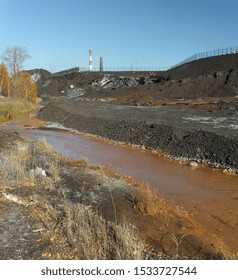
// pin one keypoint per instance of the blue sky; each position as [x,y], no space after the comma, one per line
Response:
[149,33]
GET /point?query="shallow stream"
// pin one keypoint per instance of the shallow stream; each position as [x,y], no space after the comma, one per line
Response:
[211,196]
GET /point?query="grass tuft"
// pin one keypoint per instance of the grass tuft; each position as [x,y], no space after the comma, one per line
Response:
[151,203]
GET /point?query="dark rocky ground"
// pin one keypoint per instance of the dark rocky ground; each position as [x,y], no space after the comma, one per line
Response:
[175,131]
[210,77]
[189,112]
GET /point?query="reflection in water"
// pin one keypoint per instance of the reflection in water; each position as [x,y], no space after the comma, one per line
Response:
[211,196]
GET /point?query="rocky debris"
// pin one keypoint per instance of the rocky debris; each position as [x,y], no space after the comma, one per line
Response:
[110,81]
[38,171]
[193,164]
[210,77]
[39,75]
[177,132]
[75,92]
[12,197]
[35,77]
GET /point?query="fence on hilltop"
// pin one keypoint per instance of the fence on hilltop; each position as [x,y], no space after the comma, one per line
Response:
[126,69]
[217,52]
[132,68]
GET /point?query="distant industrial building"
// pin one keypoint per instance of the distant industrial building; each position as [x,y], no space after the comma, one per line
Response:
[101,64]
[90,60]
[82,69]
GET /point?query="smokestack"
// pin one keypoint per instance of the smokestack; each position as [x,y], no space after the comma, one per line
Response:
[90,60]
[101,64]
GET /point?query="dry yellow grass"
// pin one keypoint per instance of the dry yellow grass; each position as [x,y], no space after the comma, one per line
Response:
[26,164]
[77,232]
[151,203]
[10,107]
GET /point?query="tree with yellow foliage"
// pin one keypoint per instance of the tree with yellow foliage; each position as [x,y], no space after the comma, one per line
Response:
[25,87]
[21,85]
[5,81]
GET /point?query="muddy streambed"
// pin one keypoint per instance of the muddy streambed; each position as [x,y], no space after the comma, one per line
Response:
[209,195]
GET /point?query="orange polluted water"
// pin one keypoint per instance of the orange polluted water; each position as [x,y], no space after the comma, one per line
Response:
[209,195]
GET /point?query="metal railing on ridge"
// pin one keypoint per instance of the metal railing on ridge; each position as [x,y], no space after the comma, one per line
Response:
[125,69]
[132,68]
[217,52]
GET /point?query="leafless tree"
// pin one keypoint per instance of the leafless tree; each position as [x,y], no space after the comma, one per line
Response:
[14,59]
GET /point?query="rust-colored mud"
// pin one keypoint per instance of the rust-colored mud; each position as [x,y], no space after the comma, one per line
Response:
[210,196]
[28,119]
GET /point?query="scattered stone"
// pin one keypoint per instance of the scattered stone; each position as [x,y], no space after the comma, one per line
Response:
[39,171]
[193,164]
[12,197]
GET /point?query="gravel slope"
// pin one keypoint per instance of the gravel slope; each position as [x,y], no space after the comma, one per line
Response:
[178,132]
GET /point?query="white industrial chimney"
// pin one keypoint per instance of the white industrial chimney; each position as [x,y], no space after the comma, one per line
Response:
[90,60]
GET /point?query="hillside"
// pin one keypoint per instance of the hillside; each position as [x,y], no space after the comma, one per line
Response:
[205,66]
[210,77]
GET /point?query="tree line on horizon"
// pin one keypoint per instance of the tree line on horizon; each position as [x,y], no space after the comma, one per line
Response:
[14,82]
